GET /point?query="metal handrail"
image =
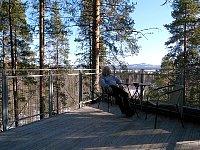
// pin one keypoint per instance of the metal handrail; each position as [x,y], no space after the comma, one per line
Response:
[78,82]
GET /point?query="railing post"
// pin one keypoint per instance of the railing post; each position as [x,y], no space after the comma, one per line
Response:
[5,101]
[141,81]
[92,86]
[80,87]
[181,81]
[50,94]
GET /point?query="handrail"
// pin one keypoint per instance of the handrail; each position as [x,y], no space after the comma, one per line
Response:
[68,87]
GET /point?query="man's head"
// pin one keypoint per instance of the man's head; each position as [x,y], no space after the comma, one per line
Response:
[106,71]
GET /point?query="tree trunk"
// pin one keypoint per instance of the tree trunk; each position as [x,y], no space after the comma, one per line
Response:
[42,104]
[3,50]
[95,46]
[185,53]
[13,68]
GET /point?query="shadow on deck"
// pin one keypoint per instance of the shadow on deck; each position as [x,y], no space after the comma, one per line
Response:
[92,128]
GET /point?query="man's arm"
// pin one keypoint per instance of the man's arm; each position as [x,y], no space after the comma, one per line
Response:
[102,82]
[118,81]
[104,85]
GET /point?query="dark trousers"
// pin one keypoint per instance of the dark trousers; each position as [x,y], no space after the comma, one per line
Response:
[122,98]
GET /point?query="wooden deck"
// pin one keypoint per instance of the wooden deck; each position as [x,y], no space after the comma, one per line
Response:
[90,128]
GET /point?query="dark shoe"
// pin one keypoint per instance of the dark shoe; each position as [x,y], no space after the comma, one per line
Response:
[122,110]
[130,112]
[128,115]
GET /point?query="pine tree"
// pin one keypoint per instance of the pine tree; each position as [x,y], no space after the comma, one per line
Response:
[57,41]
[112,30]
[19,31]
[116,30]
[184,43]
[185,29]
[15,41]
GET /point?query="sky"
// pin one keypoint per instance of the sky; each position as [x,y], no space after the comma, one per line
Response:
[148,14]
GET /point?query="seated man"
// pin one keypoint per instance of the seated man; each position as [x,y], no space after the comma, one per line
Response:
[113,85]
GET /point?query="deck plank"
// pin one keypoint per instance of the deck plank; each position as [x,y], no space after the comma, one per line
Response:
[91,128]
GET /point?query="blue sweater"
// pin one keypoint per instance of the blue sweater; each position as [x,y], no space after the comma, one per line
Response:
[107,81]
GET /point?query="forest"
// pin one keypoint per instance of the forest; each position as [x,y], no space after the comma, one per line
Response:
[35,35]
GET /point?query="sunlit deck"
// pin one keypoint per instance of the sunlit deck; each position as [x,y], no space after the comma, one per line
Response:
[92,128]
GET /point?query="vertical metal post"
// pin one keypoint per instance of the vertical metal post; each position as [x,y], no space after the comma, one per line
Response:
[182,97]
[183,75]
[92,87]
[50,94]
[141,81]
[5,102]
[80,87]
[141,87]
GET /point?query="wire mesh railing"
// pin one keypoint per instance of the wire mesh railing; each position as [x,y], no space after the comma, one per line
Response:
[21,105]
[65,90]
[189,78]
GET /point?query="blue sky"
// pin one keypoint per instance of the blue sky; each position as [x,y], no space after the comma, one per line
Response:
[150,14]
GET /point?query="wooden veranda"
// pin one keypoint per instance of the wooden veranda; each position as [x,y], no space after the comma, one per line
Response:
[93,128]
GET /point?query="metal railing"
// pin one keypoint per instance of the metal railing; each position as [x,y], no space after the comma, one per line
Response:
[190,79]
[69,89]
[64,90]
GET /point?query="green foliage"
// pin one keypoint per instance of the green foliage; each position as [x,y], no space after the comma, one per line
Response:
[20,33]
[21,98]
[184,44]
[57,42]
[117,38]
[185,29]
[63,98]
[167,62]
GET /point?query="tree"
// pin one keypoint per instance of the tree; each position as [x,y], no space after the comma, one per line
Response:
[15,40]
[57,23]
[112,33]
[117,38]
[15,26]
[4,28]
[184,43]
[185,32]
[57,44]
[41,29]
[117,30]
